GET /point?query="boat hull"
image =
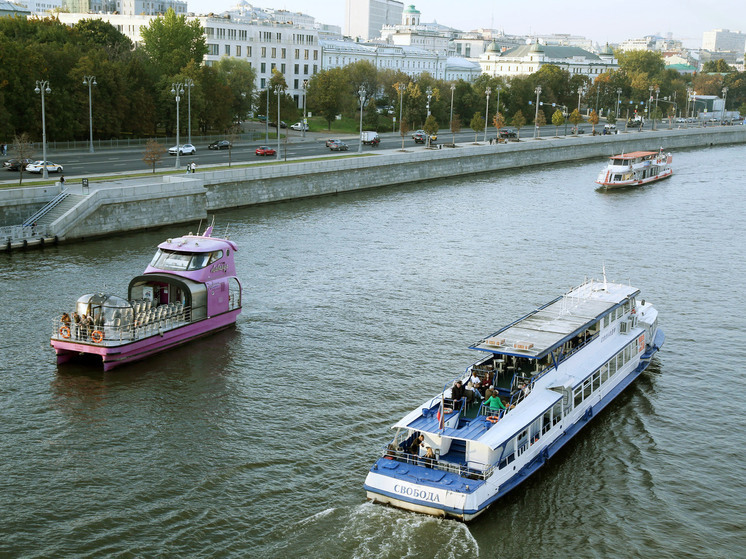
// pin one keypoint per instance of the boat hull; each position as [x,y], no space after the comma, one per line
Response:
[114,355]
[467,505]
[608,185]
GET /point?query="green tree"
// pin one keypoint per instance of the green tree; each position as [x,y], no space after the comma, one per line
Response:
[240,78]
[719,66]
[519,121]
[404,130]
[455,128]
[326,93]
[575,119]
[593,119]
[477,124]
[498,121]
[558,119]
[97,33]
[431,127]
[541,120]
[170,41]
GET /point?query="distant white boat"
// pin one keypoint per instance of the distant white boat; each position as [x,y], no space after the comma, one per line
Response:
[635,168]
[555,368]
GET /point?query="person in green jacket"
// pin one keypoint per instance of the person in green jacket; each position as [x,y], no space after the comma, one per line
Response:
[494,402]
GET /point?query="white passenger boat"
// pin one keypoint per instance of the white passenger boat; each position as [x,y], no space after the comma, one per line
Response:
[635,168]
[555,368]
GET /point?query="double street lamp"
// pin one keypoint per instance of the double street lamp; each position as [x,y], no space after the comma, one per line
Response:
[536,116]
[90,81]
[429,92]
[580,92]
[618,100]
[725,98]
[42,86]
[487,111]
[657,91]
[400,87]
[177,90]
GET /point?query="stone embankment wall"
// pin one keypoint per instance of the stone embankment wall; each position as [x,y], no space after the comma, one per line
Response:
[182,198]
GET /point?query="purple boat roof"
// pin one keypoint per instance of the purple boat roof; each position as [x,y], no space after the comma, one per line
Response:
[196,243]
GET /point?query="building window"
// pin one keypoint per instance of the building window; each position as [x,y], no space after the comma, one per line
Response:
[264,68]
[264,52]
[274,52]
[297,53]
[296,67]
[213,49]
[305,69]
[284,53]
[227,50]
[282,68]
[238,50]
[315,69]
[248,51]
[315,55]
[305,54]
[264,83]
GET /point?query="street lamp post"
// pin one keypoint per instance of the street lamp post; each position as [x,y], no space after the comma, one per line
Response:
[278,89]
[618,101]
[580,92]
[536,115]
[361,94]
[42,86]
[429,92]
[266,120]
[650,98]
[487,111]
[189,84]
[453,88]
[657,91]
[688,98]
[305,90]
[725,98]
[177,89]
[400,87]
[90,81]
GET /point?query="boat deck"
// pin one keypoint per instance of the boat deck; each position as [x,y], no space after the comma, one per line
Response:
[422,475]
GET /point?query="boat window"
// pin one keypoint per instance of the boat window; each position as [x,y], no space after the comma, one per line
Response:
[577,396]
[556,413]
[170,260]
[215,255]
[586,388]
[596,380]
[605,373]
[606,321]
[199,261]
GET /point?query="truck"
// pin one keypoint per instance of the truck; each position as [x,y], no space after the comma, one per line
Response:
[370,138]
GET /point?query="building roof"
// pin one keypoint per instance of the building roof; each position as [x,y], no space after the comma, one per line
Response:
[550,51]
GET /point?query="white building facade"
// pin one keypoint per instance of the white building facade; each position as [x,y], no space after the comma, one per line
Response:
[723,39]
[527,59]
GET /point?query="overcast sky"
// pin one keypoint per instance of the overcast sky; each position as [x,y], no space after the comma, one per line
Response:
[599,21]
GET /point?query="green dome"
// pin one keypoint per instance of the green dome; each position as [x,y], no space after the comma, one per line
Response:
[536,47]
[411,10]
[492,47]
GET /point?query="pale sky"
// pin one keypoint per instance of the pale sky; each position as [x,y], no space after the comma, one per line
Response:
[599,21]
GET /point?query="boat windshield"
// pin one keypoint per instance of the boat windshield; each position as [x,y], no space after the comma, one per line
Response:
[182,261]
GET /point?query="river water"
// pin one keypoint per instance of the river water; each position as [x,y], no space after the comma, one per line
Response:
[256,442]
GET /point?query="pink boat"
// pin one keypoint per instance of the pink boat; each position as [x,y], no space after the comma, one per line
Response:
[189,290]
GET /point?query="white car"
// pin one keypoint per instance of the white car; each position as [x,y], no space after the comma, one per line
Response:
[38,167]
[299,126]
[184,149]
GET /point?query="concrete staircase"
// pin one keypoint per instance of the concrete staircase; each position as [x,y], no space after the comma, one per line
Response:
[60,209]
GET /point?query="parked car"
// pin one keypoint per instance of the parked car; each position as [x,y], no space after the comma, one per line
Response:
[265,150]
[339,146]
[16,164]
[299,126]
[183,149]
[261,118]
[220,144]
[38,167]
[421,138]
[282,124]
[508,133]
[609,126]
[331,141]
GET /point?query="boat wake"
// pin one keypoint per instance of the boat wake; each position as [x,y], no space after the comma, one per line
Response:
[367,530]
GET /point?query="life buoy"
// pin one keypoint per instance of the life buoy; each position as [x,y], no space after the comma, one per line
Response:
[493,419]
[97,336]
[64,331]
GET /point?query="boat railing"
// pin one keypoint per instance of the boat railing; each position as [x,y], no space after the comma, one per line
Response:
[471,470]
[144,324]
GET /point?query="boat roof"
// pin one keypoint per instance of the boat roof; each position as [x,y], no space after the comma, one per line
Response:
[538,333]
[196,243]
[634,154]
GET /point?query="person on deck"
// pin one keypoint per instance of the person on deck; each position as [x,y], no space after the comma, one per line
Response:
[457,393]
[494,402]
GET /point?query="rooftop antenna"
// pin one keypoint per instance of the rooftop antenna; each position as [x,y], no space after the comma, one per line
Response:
[199,227]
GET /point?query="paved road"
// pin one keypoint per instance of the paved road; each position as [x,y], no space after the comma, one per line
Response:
[78,164]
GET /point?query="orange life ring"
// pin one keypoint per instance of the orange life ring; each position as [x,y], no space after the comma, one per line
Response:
[97,336]
[64,331]
[493,419]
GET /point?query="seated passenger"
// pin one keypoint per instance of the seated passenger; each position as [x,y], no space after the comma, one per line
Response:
[457,393]
[429,458]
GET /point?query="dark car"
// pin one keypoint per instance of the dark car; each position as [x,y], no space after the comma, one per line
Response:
[508,133]
[17,164]
[265,150]
[339,146]
[282,124]
[331,141]
[421,138]
[220,144]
